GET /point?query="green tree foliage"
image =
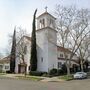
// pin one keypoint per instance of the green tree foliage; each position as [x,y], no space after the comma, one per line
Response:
[33,60]
[13,53]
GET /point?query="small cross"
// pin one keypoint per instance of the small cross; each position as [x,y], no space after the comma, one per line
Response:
[46,8]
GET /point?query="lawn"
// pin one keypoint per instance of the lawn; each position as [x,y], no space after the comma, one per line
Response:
[33,78]
[66,77]
[2,73]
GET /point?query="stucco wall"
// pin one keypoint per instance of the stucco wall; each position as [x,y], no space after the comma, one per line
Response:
[42,51]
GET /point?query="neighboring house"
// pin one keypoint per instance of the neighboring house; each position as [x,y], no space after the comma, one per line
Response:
[5,64]
[49,55]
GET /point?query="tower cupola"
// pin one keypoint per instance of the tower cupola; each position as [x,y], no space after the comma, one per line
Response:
[45,20]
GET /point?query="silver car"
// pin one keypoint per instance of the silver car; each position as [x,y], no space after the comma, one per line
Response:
[80,75]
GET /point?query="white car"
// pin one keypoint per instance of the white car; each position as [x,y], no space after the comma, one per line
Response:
[80,75]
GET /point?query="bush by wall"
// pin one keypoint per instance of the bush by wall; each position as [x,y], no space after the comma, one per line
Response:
[53,72]
[36,73]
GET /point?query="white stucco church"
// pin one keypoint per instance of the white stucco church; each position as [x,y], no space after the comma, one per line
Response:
[49,55]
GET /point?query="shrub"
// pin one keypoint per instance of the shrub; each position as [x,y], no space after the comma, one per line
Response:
[1,71]
[45,74]
[36,73]
[60,72]
[8,72]
[64,69]
[53,72]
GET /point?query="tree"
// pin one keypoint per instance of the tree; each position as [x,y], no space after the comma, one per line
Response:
[13,53]
[72,24]
[21,44]
[33,60]
[82,34]
[83,52]
[65,17]
[20,33]
[22,49]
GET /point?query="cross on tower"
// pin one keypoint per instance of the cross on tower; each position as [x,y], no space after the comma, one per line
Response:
[46,8]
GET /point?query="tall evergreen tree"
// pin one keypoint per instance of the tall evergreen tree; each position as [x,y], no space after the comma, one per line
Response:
[13,53]
[33,60]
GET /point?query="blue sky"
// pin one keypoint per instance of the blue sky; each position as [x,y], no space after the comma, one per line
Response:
[20,13]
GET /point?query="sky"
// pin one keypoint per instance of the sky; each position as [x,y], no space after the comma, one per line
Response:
[20,13]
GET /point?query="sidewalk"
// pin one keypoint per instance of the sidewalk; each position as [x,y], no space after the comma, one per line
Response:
[44,79]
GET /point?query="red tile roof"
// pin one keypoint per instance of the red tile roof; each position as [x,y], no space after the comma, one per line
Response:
[62,49]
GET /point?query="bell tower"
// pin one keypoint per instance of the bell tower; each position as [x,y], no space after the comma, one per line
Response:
[45,20]
[46,42]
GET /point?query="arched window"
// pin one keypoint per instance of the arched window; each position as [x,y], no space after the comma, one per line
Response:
[42,23]
[51,23]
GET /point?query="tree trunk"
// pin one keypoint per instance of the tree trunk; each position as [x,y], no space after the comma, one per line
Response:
[68,69]
[81,65]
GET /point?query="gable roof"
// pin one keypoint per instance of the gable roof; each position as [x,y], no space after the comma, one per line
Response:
[28,38]
[5,60]
[59,48]
[46,13]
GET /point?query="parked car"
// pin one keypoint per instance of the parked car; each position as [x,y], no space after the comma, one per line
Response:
[80,75]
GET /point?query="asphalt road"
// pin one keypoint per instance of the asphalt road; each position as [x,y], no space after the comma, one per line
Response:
[13,84]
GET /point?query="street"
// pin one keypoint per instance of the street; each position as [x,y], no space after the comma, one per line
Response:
[14,84]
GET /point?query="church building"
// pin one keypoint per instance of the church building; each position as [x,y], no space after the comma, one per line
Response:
[49,55]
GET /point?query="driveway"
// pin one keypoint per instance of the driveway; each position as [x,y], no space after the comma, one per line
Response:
[14,84]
